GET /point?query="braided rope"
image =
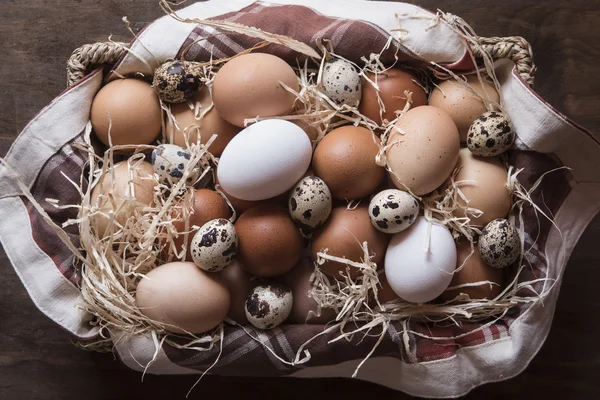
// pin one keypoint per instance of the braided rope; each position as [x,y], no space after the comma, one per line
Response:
[515,48]
[90,56]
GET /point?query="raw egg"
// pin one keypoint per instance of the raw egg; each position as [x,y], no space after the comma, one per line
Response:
[343,235]
[183,298]
[474,270]
[305,308]
[269,242]
[130,108]
[206,206]
[423,157]
[131,189]
[191,125]
[461,104]
[240,284]
[264,160]
[420,261]
[499,243]
[345,160]
[392,84]
[484,187]
[250,85]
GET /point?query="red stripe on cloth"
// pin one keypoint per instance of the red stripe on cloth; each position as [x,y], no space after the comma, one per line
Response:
[350,39]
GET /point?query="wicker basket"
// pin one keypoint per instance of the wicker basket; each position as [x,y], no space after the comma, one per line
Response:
[408,359]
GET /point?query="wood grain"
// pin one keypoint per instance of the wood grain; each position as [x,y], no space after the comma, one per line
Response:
[37,360]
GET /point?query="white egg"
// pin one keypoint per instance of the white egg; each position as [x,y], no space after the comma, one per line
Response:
[417,275]
[264,160]
[215,245]
[269,305]
[341,82]
[169,161]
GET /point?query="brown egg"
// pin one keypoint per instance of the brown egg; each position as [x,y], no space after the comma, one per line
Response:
[189,123]
[298,279]
[183,298]
[269,244]
[462,105]
[343,234]
[134,111]
[487,192]
[240,284]
[345,160]
[424,156]
[392,84]
[208,205]
[249,86]
[385,292]
[474,270]
[142,189]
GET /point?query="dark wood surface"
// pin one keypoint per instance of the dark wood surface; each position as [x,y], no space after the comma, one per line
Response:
[37,360]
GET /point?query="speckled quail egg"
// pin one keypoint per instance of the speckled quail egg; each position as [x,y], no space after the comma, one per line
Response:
[169,161]
[310,202]
[499,243]
[215,245]
[269,305]
[490,134]
[177,81]
[341,82]
[393,210]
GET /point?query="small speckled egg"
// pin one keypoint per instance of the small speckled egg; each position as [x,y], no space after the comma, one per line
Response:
[499,243]
[176,81]
[169,161]
[269,305]
[341,82]
[215,245]
[490,134]
[310,202]
[393,210]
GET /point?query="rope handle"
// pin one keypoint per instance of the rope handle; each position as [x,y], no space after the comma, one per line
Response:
[90,56]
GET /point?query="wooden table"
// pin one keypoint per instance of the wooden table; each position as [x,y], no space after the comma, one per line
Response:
[37,360]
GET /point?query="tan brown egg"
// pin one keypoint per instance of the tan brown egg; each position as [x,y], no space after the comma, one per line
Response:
[424,156]
[141,189]
[486,189]
[194,124]
[298,279]
[249,85]
[474,270]
[269,244]
[392,84]
[183,298]
[461,104]
[345,160]
[343,235]
[240,284]
[132,110]
[207,205]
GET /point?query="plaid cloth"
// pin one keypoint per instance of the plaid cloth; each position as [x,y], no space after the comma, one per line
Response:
[241,354]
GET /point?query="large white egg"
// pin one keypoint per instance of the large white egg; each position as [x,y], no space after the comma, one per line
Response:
[264,160]
[417,275]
